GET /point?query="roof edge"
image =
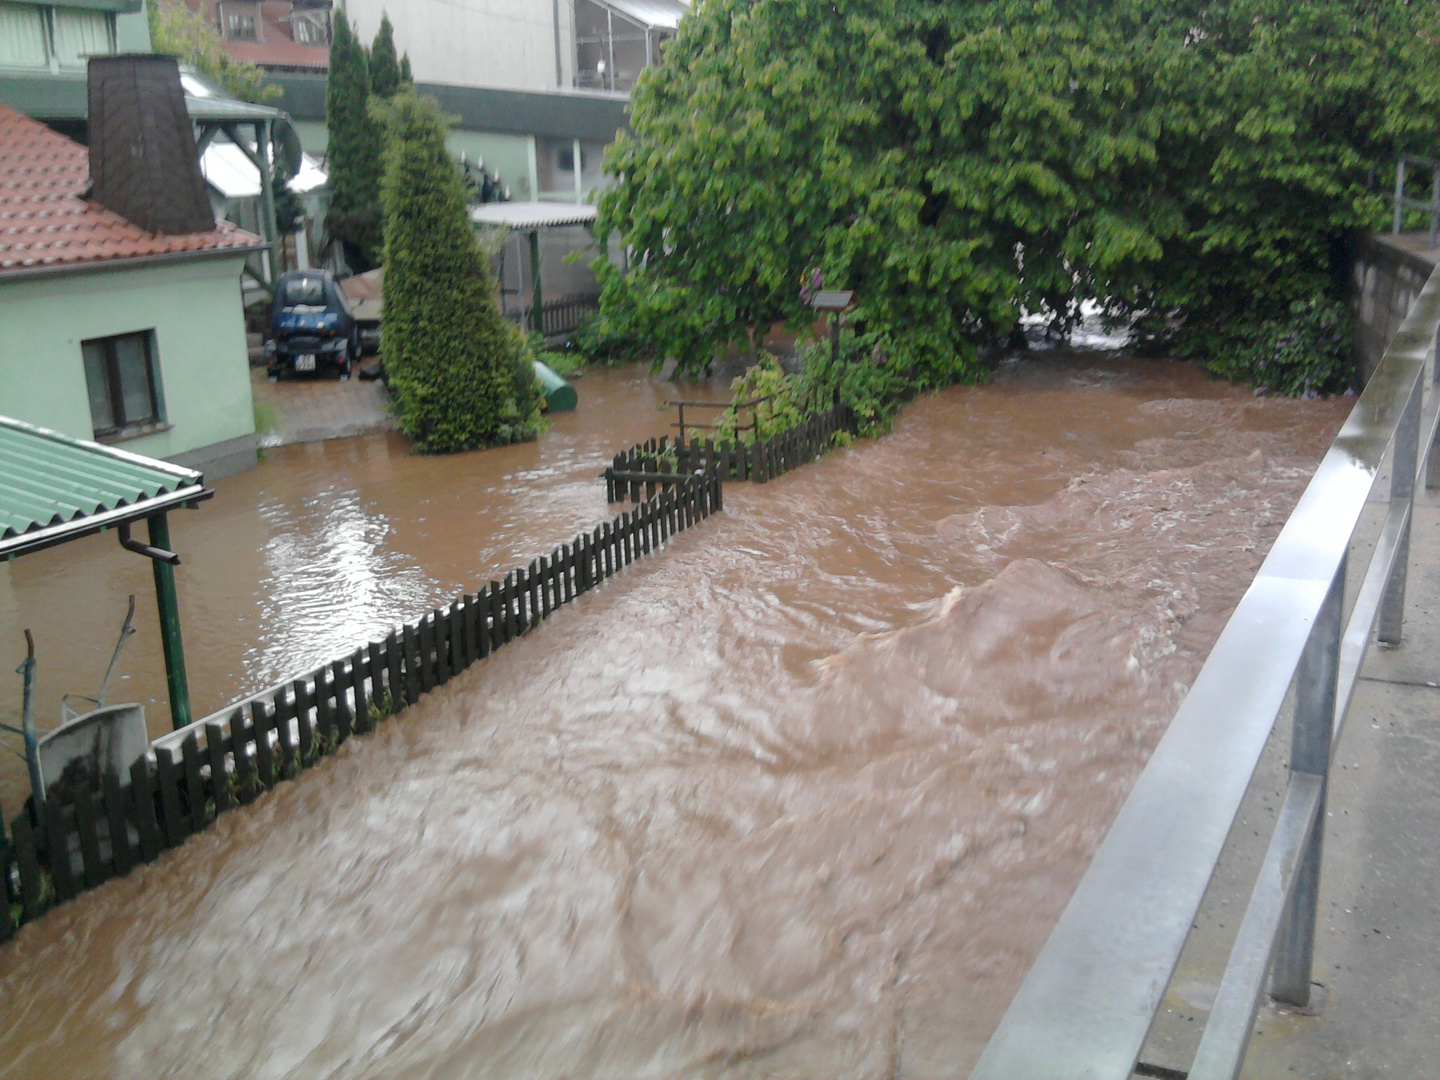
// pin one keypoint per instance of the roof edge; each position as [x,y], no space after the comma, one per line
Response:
[134,262]
[38,539]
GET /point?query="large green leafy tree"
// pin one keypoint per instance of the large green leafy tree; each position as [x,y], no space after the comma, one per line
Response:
[461,374]
[355,151]
[384,64]
[1199,164]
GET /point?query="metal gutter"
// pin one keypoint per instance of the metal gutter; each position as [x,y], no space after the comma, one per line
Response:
[39,539]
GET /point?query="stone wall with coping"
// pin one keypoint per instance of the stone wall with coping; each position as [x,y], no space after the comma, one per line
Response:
[1389,272]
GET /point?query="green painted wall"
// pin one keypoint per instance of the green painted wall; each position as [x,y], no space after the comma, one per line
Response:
[194,309]
[314,136]
[510,156]
[132,32]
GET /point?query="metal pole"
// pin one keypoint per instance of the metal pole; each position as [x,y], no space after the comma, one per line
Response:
[1432,458]
[1399,192]
[559,68]
[1315,688]
[267,199]
[610,47]
[537,312]
[835,341]
[1402,492]
[1434,204]
[27,721]
[580,191]
[167,602]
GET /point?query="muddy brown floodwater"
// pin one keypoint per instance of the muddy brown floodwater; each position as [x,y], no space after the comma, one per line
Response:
[800,796]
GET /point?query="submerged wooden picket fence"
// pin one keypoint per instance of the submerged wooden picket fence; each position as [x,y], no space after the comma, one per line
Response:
[643,469]
[193,775]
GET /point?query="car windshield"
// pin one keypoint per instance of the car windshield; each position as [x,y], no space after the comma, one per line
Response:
[304,290]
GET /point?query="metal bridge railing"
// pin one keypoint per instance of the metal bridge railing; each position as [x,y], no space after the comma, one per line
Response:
[1402,203]
[1087,1003]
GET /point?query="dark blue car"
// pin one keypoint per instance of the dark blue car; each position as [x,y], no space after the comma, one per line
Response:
[311,328]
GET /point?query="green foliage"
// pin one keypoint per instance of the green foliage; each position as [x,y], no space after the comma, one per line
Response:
[1193,164]
[189,37]
[564,364]
[355,153]
[289,210]
[406,79]
[871,384]
[778,407]
[598,342]
[1306,352]
[267,418]
[462,376]
[384,66]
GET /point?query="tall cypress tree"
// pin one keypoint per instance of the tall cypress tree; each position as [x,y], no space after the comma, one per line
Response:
[461,374]
[406,79]
[356,151]
[384,66]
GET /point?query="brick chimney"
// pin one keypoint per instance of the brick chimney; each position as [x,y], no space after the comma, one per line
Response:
[143,161]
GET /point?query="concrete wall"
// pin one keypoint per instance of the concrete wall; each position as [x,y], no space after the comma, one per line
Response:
[500,43]
[1389,273]
[194,309]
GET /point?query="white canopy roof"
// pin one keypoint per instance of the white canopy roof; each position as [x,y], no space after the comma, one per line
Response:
[229,171]
[533,215]
[651,13]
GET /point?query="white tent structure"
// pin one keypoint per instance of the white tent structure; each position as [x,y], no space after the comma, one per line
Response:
[237,191]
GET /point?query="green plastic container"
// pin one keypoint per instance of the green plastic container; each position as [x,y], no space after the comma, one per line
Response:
[560,396]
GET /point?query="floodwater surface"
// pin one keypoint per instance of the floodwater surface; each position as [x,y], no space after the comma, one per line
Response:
[801,795]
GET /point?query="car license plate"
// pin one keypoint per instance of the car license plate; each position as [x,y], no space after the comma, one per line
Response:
[305,362]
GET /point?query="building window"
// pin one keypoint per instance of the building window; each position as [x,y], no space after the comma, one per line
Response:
[241,26]
[80,34]
[309,29]
[23,36]
[610,48]
[40,36]
[124,392]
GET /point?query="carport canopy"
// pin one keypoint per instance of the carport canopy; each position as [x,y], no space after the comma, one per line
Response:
[531,217]
[55,488]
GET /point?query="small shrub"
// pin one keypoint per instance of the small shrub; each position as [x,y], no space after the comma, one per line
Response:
[597,342]
[565,364]
[781,409]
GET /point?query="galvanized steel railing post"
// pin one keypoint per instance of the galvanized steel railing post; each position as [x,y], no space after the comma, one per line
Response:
[1399,193]
[1315,690]
[1402,493]
[1432,463]
[1434,204]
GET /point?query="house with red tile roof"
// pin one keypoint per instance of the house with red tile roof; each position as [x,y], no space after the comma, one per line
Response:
[278,35]
[120,330]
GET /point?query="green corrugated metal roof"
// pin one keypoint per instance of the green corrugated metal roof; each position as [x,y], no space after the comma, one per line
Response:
[55,485]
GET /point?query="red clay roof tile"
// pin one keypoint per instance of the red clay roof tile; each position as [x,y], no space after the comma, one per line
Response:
[45,223]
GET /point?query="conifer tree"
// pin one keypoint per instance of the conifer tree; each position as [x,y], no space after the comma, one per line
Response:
[356,150]
[406,79]
[462,376]
[384,67]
